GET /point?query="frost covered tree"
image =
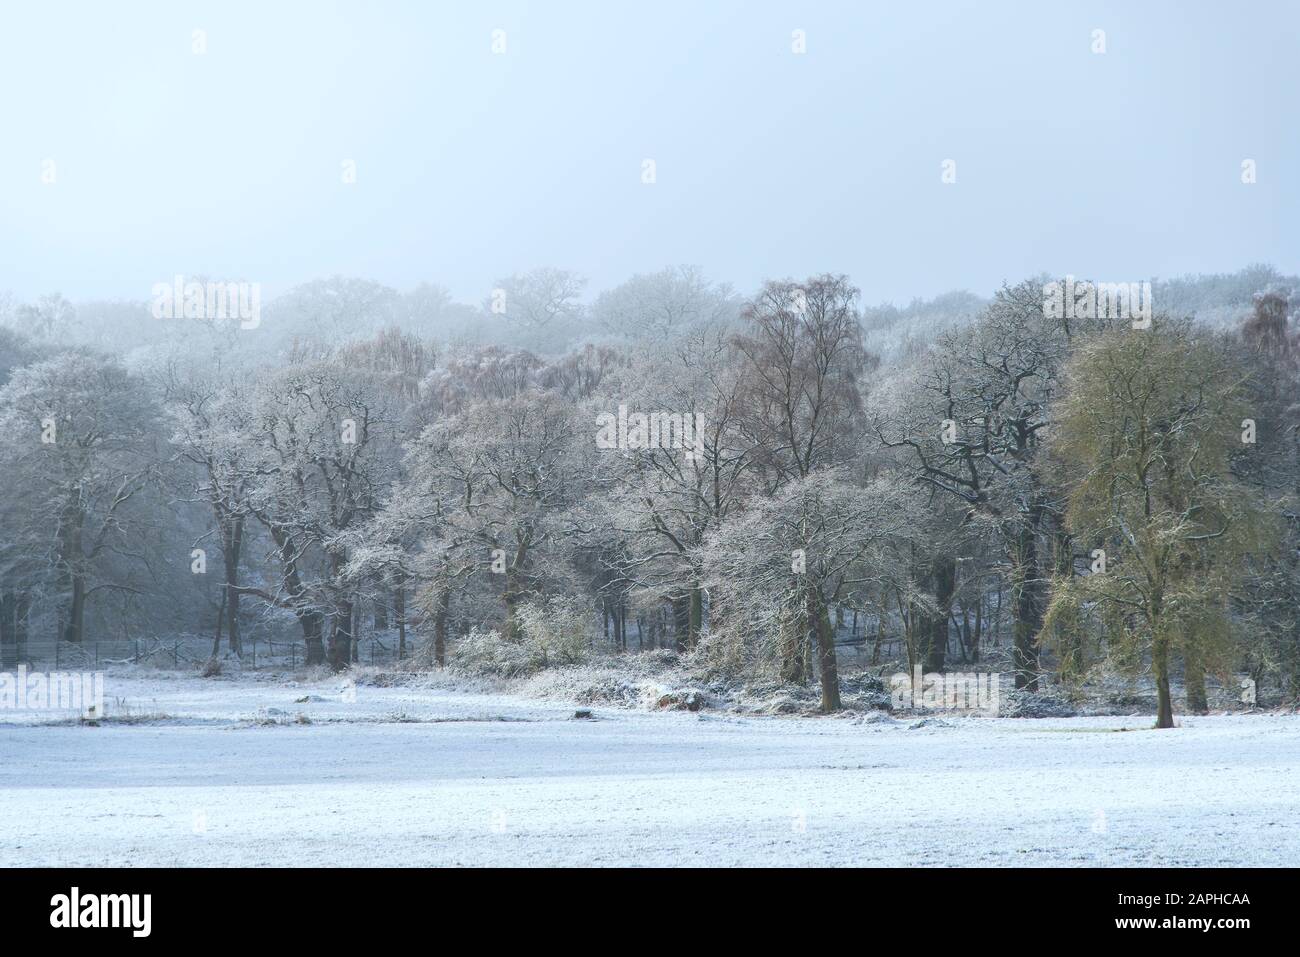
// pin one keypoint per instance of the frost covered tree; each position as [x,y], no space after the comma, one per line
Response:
[21,546]
[1270,606]
[661,502]
[538,299]
[320,315]
[81,439]
[803,366]
[802,343]
[508,471]
[972,418]
[780,568]
[325,454]
[342,461]
[212,418]
[664,304]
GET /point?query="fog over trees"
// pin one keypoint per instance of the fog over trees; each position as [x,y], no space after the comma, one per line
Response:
[750,478]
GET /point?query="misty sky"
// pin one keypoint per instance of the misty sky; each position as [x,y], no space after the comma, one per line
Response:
[471,165]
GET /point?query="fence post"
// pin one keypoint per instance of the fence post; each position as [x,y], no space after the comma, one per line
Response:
[293,655]
[56,654]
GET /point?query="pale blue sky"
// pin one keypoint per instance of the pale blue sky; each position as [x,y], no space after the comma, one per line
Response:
[472,165]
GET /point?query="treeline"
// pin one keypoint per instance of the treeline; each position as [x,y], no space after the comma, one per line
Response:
[738,473]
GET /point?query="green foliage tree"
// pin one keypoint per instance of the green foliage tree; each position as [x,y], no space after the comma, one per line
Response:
[1146,432]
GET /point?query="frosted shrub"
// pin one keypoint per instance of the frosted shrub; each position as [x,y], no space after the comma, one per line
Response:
[551,633]
[750,639]
[486,651]
[557,631]
[722,653]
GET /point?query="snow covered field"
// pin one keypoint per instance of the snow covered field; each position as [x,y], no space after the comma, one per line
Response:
[225,772]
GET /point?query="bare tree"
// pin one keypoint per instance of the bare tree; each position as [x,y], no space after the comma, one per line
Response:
[82,434]
[783,564]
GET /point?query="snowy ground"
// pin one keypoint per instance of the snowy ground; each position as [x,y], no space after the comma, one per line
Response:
[222,772]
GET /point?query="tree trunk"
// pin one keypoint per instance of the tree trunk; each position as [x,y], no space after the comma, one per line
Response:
[399,612]
[221,614]
[907,617]
[696,619]
[1194,679]
[681,618]
[72,575]
[1027,586]
[21,608]
[937,577]
[1160,663]
[511,627]
[74,626]
[440,628]
[235,640]
[997,616]
[827,665]
[8,638]
[945,583]
[511,594]
[340,647]
[311,620]
[793,642]
[313,626]
[1071,642]
[232,544]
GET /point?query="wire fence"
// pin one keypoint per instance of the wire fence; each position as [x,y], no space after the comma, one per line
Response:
[180,652]
[375,648]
